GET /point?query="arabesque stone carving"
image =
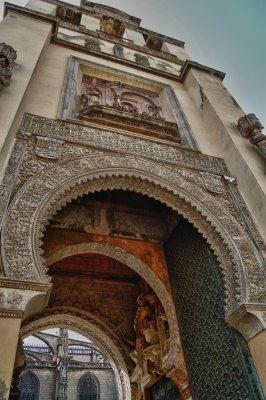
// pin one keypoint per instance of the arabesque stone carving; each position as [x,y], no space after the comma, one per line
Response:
[40,198]
[7,59]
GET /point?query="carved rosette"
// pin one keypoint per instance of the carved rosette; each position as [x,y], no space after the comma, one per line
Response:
[7,59]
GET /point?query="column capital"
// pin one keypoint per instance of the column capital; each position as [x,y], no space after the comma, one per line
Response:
[22,298]
[248,319]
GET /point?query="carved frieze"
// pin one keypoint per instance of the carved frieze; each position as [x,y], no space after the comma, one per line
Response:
[7,59]
[113,141]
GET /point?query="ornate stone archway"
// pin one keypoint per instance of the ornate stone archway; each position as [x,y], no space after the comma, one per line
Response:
[144,271]
[84,324]
[39,199]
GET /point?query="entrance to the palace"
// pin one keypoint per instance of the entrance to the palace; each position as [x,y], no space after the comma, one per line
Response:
[116,258]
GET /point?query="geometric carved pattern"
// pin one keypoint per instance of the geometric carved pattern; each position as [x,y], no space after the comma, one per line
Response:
[217,363]
[40,198]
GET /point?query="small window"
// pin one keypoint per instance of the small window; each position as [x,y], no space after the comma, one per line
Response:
[69,15]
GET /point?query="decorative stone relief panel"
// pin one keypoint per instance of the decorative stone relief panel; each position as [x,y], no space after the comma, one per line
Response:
[105,43]
[103,106]
[124,106]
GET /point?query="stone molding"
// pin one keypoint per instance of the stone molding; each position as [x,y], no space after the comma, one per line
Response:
[24,285]
[249,320]
[90,327]
[144,271]
[11,313]
[40,198]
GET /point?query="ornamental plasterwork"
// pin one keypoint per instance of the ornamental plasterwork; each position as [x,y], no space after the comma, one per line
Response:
[182,176]
[111,140]
[90,327]
[40,198]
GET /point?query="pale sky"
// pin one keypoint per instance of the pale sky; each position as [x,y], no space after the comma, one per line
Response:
[229,35]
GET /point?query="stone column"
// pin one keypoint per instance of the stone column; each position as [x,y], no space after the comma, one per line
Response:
[9,333]
[18,300]
[250,321]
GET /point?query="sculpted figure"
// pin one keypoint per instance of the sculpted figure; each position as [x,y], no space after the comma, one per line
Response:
[144,311]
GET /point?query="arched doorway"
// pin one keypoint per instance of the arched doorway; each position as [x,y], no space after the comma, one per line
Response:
[174,191]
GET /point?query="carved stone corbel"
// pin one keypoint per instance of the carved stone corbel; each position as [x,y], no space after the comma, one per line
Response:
[7,59]
[251,128]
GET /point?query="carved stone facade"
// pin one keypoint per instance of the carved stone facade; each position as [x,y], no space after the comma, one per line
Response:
[100,178]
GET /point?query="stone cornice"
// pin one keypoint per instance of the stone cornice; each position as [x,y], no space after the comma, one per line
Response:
[55,23]
[24,285]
